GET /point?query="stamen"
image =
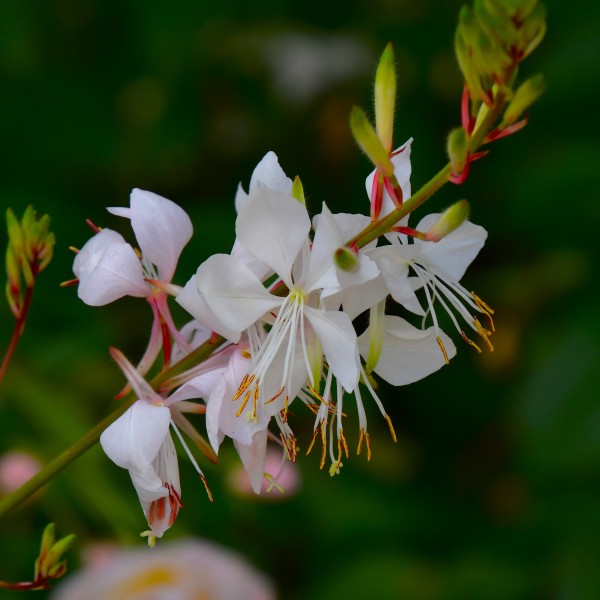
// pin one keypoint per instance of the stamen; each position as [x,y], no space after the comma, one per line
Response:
[151,538]
[470,341]
[246,381]
[484,333]
[312,441]
[324,441]
[208,492]
[272,484]
[243,405]
[344,443]
[368,440]
[389,422]
[275,396]
[441,345]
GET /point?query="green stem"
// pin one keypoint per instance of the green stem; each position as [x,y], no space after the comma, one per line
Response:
[383,225]
[89,439]
[17,332]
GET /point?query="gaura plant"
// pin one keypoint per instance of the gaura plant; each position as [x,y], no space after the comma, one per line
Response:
[272,323]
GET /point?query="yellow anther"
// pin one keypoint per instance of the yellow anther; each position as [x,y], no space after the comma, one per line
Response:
[470,342]
[208,492]
[389,422]
[246,382]
[344,443]
[275,396]
[441,345]
[368,440]
[484,333]
[272,484]
[361,437]
[243,404]
[312,441]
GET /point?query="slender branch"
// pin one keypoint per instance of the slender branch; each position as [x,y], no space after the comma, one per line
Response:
[17,331]
[89,439]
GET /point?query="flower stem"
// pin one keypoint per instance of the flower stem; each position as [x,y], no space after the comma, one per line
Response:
[89,439]
[17,331]
[383,225]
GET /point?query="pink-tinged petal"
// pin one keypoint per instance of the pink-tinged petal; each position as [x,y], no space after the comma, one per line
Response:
[162,230]
[108,269]
[273,227]
[221,400]
[232,293]
[402,171]
[408,354]
[338,339]
[454,252]
[200,386]
[253,458]
[134,439]
[120,211]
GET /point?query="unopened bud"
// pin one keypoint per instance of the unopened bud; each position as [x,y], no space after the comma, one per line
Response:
[368,141]
[49,564]
[533,30]
[449,220]
[345,259]
[298,191]
[458,149]
[385,97]
[523,98]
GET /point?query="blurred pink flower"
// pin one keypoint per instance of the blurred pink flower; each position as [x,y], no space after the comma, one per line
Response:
[281,479]
[17,467]
[184,570]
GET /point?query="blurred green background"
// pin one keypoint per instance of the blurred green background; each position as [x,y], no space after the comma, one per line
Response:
[493,489]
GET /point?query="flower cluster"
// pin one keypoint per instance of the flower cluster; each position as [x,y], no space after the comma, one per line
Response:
[279,311]
[275,322]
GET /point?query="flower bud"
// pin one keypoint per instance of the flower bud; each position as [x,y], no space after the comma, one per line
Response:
[449,220]
[298,191]
[385,97]
[368,141]
[523,98]
[48,564]
[345,259]
[458,149]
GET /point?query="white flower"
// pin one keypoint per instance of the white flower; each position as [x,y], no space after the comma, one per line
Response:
[139,441]
[179,570]
[274,228]
[109,268]
[436,268]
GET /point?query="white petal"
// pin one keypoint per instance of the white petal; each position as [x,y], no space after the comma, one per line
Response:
[232,293]
[321,271]
[455,252]
[338,338]
[274,227]
[355,300]
[198,387]
[193,301]
[408,354]
[134,439]
[402,170]
[253,458]
[268,174]
[120,211]
[108,268]
[162,229]
[394,270]
[240,198]
[258,267]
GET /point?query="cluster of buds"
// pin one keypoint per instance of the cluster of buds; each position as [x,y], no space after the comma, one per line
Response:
[49,564]
[30,248]
[492,38]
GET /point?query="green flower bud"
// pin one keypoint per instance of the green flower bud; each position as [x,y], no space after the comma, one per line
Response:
[385,97]
[524,97]
[449,220]
[458,149]
[345,259]
[298,191]
[368,141]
